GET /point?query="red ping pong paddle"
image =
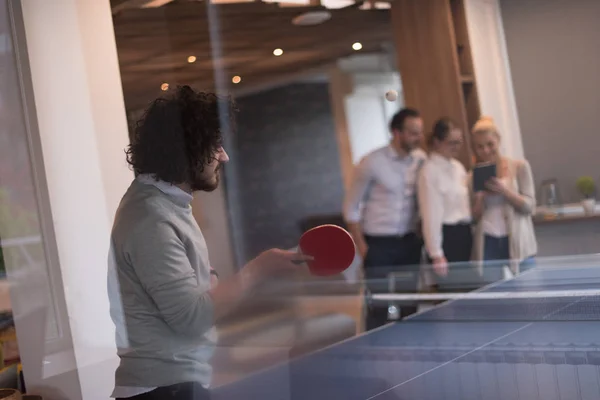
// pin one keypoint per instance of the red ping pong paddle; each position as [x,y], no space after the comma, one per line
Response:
[331,247]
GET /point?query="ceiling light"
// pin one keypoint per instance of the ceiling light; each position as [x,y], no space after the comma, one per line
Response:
[154,3]
[236,79]
[380,5]
[289,3]
[311,18]
[357,46]
[277,52]
[192,59]
[164,87]
[336,4]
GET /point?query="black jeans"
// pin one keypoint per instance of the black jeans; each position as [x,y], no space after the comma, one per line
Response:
[389,254]
[179,391]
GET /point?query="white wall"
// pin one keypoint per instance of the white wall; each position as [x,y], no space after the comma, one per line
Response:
[367,112]
[83,131]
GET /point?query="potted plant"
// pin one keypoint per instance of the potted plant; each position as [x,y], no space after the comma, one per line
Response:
[587,188]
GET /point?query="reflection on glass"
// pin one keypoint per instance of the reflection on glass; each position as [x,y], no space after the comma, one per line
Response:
[21,245]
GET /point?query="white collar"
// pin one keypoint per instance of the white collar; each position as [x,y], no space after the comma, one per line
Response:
[178,195]
[440,159]
[391,151]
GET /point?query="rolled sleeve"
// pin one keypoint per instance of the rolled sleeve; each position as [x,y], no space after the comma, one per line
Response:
[357,192]
[161,263]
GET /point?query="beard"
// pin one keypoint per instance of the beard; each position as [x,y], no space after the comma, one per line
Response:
[408,147]
[207,184]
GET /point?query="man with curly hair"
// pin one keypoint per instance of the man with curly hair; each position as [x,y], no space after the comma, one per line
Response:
[163,293]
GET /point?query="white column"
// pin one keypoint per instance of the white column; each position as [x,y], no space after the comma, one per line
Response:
[492,71]
[83,132]
[369,113]
[362,114]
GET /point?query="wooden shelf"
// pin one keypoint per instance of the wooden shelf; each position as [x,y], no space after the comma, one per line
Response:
[470,99]
[548,219]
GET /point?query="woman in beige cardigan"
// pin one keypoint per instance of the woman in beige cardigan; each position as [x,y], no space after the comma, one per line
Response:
[504,231]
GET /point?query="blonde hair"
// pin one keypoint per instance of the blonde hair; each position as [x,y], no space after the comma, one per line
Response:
[485,124]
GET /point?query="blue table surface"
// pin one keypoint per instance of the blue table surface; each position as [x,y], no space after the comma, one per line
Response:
[509,349]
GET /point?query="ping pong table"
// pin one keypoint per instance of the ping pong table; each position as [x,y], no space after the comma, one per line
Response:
[538,348]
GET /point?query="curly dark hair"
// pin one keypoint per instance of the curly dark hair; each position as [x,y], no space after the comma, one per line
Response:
[179,135]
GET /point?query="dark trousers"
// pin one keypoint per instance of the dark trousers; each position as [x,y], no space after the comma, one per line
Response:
[457,242]
[180,391]
[496,254]
[391,254]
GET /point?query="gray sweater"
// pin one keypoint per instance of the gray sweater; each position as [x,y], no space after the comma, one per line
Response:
[158,282]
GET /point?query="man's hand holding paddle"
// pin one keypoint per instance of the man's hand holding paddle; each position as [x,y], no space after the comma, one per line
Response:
[326,249]
[271,263]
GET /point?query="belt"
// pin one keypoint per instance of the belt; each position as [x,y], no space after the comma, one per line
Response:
[404,236]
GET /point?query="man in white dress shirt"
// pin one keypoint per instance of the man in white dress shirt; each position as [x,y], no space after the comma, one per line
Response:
[380,209]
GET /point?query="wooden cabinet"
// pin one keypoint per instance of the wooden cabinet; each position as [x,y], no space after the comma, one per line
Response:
[436,63]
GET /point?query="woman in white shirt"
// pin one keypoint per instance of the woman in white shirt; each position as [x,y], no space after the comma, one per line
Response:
[504,233]
[444,199]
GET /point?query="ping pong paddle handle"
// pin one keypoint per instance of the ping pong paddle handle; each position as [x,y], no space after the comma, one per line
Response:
[300,260]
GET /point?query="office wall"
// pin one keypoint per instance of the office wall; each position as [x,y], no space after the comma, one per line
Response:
[287,162]
[554,52]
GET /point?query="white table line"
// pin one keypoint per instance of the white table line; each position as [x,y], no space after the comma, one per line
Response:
[485,295]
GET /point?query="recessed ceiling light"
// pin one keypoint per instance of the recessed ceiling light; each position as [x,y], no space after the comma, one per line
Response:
[155,3]
[336,4]
[164,87]
[277,52]
[311,18]
[236,79]
[357,46]
[380,5]
[192,59]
